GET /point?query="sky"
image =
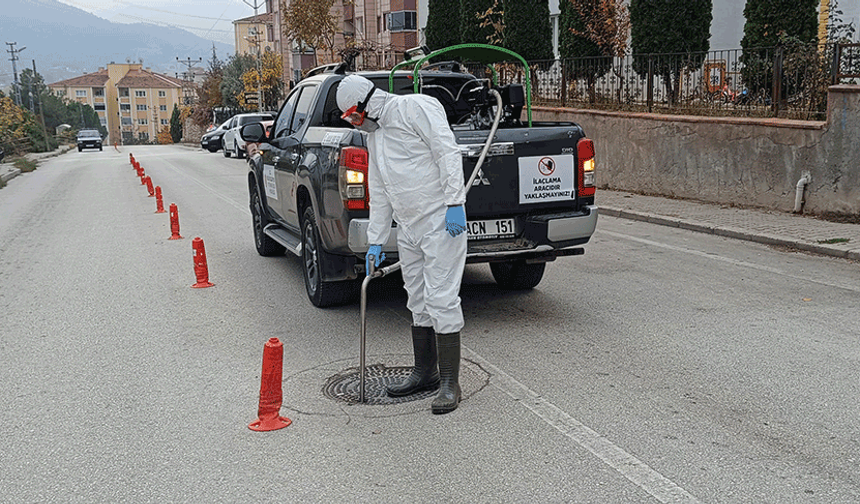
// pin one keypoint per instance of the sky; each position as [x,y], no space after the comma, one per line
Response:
[210,19]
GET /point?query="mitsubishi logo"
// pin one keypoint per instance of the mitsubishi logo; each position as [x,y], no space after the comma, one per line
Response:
[481,179]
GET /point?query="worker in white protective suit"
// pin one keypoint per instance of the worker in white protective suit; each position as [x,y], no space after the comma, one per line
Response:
[415,177]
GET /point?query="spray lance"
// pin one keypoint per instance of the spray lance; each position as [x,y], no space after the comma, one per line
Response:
[381,272]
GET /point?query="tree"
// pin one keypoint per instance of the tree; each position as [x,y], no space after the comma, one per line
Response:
[176,125]
[209,92]
[766,22]
[686,41]
[232,86]
[528,31]
[594,31]
[443,23]
[271,83]
[310,23]
[471,27]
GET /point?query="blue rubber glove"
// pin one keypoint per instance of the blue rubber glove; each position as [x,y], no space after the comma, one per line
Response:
[378,256]
[455,220]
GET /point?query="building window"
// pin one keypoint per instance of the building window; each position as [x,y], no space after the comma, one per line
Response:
[103,121]
[140,93]
[98,91]
[125,107]
[99,106]
[141,107]
[125,121]
[162,108]
[143,122]
[143,136]
[402,21]
[162,94]
[81,92]
[165,122]
[123,92]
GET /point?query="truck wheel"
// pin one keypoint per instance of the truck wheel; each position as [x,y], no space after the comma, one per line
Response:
[517,275]
[266,246]
[322,294]
[239,152]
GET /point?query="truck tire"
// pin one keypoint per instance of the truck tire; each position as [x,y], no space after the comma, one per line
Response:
[266,246]
[322,294]
[517,274]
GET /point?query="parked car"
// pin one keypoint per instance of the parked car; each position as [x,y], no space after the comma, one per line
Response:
[211,140]
[89,138]
[232,141]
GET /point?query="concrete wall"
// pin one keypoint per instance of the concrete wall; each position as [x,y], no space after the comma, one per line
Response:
[749,162]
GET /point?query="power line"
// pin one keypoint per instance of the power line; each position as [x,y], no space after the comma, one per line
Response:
[184,27]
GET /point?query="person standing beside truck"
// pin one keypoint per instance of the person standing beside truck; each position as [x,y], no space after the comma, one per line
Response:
[415,177]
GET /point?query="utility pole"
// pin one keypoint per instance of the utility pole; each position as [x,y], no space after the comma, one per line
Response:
[187,77]
[256,6]
[41,113]
[14,52]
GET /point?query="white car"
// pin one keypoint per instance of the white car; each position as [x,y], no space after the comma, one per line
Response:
[232,140]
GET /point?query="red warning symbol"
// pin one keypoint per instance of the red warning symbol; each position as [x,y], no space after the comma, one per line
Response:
[546,166]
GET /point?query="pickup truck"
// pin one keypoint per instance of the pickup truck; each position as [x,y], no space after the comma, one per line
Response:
[532,201]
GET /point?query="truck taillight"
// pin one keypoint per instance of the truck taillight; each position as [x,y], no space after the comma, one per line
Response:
[585,168]
[353,178]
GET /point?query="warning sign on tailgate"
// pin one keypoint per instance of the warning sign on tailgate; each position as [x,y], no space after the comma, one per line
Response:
[546,178]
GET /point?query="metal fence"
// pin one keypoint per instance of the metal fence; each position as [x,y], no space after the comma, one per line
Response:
[787,82]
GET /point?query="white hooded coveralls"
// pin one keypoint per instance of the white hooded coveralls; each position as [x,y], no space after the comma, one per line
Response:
[415,172]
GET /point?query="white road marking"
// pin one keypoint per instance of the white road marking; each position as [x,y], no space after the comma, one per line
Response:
[776,271]
[176,169]
[638,472]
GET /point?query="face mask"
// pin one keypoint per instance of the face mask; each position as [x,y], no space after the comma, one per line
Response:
[368,125]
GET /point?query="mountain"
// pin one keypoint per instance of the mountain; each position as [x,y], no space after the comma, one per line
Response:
[67,42]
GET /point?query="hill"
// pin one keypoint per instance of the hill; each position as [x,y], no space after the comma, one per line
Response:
[66,41]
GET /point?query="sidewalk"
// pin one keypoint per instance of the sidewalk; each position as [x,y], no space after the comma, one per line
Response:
[762,226]
[8,170]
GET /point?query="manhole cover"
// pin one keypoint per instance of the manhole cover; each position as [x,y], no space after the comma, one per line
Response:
[345,386]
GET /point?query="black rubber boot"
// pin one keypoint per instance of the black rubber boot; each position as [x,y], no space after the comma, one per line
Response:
[425,373]
[449,372]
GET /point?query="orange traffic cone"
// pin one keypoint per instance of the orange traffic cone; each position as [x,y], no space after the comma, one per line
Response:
[174,223]
[201,269]
[271,395]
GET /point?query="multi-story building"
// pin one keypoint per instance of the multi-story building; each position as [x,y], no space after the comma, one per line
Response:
[382,29]
[254,30]
[131,102]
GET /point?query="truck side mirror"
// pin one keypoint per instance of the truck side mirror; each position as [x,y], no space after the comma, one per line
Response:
[253,132]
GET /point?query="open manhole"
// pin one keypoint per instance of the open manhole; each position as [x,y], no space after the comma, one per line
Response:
[345,386]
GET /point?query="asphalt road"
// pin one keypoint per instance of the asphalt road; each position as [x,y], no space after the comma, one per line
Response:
[661,366]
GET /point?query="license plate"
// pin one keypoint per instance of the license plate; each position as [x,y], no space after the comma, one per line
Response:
[490,229]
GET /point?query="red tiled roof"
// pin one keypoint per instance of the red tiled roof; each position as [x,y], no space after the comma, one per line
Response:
[92,79]
[139,78]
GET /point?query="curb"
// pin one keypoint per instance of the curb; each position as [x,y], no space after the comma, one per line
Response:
[35,157]
[729,232]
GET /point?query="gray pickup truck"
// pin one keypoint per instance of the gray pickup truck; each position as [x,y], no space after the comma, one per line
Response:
[532,201]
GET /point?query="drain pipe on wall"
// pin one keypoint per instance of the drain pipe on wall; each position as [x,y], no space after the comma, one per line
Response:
[805,179]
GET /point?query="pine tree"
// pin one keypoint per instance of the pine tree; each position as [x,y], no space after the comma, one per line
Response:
[767,23]
[176,125]
[528,31]
[669,27]
[575,41]
[470,23]
[443,23]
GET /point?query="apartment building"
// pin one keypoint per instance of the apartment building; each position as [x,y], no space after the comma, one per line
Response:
[254,30]
[383,28]
[132,103]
